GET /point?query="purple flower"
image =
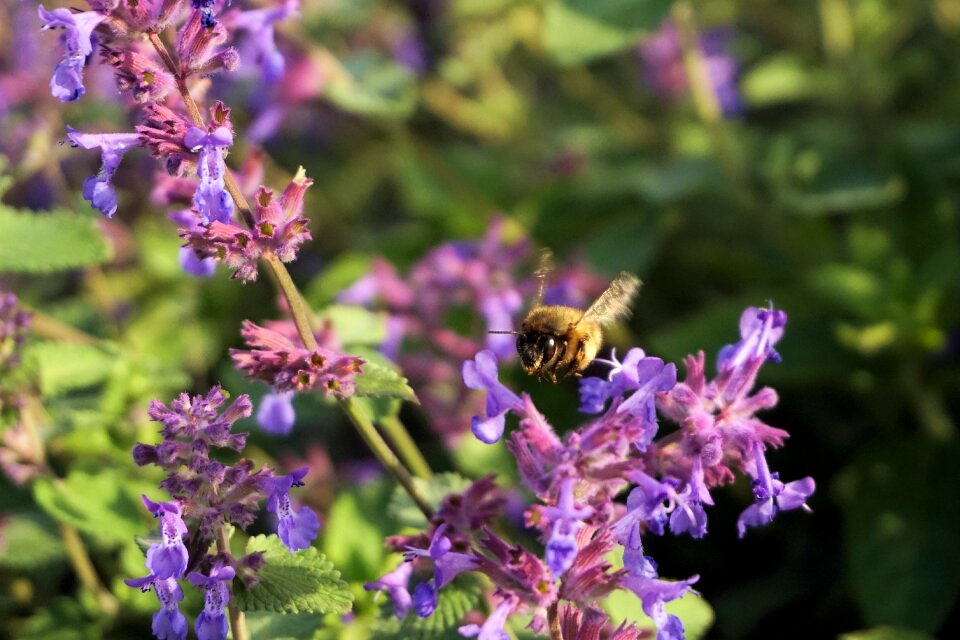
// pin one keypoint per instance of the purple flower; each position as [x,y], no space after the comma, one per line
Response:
[201,267]
[276,415]
[211,199]
[771,495]
[760,329]
[168,622]
[654,593]
[260,47]
[492,628]
[567,519]
[212,622]
[447,565]
[97,189]
[481,374]
[168,558]
[297,529]
[395,584]
[67,81]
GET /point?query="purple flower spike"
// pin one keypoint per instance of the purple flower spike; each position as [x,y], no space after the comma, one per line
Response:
[760,329]
[168,558]
[97,189]
[492,628]
[168,622]
[771,495]
[395,584]
[212,622]
[67,81]
[481,374]
[567,519]
[211,199]
[276,415]
[297,529]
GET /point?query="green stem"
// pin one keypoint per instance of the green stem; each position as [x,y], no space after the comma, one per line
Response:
[48,327]
[298,308]
[408,450]
[238,622]
[384,454]
[86,573]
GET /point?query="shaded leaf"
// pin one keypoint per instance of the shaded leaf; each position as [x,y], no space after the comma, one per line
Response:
[370,85]
[301,582]
[266,625]
[576,31]
[41,242]
[379,380]
[30,542]
[61,367]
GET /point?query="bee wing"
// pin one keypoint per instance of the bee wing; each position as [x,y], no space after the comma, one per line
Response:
[545,267]
[614,303]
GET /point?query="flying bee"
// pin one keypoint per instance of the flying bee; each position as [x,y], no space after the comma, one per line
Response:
[556,341]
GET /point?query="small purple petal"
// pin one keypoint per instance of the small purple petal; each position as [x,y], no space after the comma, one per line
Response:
[276,414]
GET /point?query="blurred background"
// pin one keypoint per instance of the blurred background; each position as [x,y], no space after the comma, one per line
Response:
[729,153]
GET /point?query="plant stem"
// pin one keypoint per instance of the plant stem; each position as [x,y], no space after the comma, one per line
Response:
[553,617]
[86,573]
[408,450]
[48,327]
[238,623]
[384,454]
[298,308]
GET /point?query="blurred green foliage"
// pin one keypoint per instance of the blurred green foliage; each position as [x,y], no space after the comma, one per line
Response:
[834,194]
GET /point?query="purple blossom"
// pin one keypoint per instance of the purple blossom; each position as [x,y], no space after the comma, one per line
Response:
[297,529]
[168,622]
[212,622]
[481,374]
[67,81]
[260,47]
[567,520]
[276,414]
[97,189]
[395,583]
[492,628]
[168,558]
[771,495]
[447,565]
[199,266]
[760,329]
[654,594]
[211,199]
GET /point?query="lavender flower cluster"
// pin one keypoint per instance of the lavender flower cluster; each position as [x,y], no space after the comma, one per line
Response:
[206,494]
[577,479]
[172,130]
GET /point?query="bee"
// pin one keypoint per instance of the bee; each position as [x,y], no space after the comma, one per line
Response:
[556,341]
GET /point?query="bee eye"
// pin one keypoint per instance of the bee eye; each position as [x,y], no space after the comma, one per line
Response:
[549,348]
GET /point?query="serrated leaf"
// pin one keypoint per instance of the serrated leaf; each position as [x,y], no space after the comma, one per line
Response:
[30,543]
[576,31]
[266,625]
[41,242]
[61,367]
[407,514]
[301,582]
[378,380]
[457,599]
[103,505]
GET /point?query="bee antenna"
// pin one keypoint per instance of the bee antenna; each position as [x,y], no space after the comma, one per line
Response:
[516,333]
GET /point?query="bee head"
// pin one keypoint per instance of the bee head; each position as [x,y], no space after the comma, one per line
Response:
[535,349]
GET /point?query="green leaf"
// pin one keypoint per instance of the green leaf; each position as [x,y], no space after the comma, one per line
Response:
[104,505]
[405,512]
[41,242]
[379,380]
[355,528]
[457,599]
[30,543]
[265,625]
[356,325]
[61,367]
[301,582]
[371,85]
[576,31]
[901,510]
